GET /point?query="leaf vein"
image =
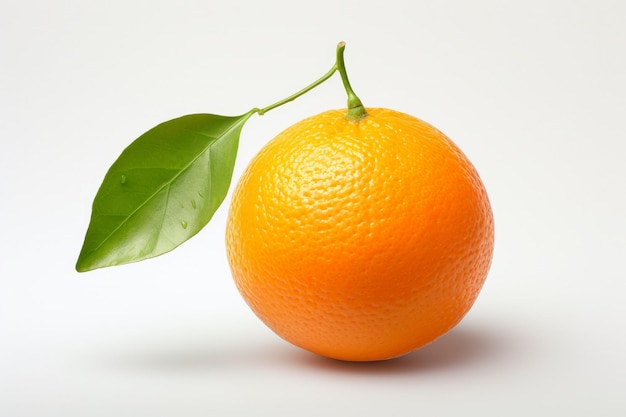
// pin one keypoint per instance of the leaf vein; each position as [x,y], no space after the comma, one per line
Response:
[236,123]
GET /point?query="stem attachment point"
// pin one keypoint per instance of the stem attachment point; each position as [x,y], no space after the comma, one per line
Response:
[356,110]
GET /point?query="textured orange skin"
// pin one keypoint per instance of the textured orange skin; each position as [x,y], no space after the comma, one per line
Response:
[363,240]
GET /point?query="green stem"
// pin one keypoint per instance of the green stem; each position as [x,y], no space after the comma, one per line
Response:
[356,110]
[299,93]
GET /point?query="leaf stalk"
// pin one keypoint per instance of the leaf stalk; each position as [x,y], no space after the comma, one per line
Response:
[294,96]
[356,110]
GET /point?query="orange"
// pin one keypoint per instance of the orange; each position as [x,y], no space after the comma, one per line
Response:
[360,240]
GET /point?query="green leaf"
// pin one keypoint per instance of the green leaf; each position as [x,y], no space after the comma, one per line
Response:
[162,190]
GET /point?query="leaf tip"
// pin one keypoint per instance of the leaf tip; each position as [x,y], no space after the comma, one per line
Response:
[80,267]
[83,264]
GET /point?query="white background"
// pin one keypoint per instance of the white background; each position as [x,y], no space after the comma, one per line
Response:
[533,91]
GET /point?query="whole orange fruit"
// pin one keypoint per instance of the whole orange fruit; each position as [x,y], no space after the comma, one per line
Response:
[360,240]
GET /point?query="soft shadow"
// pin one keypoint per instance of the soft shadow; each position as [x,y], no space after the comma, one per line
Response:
[461,347]
[193,356]
[464,346]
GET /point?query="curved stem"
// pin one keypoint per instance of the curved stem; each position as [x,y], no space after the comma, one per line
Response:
[356,110]
[299,93]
